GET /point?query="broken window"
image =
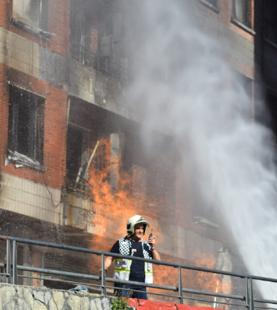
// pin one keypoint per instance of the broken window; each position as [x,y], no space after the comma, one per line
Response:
[242,12]
[32,13]
[104,56]
[78,157]
[26,119]
[95,35]
[84,30]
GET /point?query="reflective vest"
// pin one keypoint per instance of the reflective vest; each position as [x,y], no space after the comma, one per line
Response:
[122,266]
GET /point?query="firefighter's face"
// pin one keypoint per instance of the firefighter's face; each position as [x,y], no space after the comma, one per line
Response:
[139,231]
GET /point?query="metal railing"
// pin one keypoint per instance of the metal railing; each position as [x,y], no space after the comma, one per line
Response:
[102,283]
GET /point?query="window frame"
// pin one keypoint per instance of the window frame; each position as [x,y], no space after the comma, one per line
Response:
[249,27]
[36,113]
[21,22]
[210,5]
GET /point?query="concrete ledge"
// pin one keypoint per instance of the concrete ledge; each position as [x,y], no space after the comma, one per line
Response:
[14,297]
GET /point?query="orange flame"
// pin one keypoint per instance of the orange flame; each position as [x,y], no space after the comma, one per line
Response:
[113,193]
[210,281]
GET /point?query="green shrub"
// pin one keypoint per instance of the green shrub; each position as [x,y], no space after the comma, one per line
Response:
[120,303]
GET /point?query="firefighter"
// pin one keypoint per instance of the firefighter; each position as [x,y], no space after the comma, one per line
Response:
[133,244]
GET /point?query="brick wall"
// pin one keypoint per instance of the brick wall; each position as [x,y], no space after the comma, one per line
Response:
[55,136]
[58,20]
[55,125]
[3,13]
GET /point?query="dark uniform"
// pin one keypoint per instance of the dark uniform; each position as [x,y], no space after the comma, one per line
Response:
[137,270]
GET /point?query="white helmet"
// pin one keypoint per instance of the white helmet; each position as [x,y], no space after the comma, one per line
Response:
[133,221]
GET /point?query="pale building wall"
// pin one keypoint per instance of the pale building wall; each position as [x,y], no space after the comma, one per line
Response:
[31,199]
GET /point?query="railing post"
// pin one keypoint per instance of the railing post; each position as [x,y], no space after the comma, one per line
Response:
[180,286]
[249,294]
[8,260]
[103,280]
[14,262]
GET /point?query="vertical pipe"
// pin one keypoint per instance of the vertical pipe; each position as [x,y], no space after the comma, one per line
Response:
[251,304]
[8,260]
[249,294]
[14,262]
[103,291]
[180,286]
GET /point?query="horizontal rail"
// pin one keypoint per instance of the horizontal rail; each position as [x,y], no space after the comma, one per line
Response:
[207,293]
[266,301]
[162,287]
[266,307]
[91,277]
[258,278]
[105,253]
[213,302]
[57,272]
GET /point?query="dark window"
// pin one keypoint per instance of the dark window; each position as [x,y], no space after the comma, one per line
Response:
[270,21]
[242,12]
[77,158]
[91,30]
[31,12]
[84,30]
[26,123]
[74,153]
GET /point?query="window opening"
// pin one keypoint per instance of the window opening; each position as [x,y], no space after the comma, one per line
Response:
[270,21]
[242,12]
[26,126]
[33,13]
[74,153]
[84,29]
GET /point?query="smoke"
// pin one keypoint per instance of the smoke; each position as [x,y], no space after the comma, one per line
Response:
[182,85]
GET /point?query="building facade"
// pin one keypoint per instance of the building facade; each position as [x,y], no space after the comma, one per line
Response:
[72,164]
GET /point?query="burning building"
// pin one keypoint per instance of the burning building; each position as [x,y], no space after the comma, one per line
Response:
[74,162]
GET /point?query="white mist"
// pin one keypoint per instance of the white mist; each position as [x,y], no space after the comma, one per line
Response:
[183,86]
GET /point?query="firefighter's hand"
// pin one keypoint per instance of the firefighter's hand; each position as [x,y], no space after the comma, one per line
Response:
[152,239]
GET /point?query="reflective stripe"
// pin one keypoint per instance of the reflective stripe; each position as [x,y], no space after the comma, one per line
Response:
[123,266]
[148,273]
[122,269]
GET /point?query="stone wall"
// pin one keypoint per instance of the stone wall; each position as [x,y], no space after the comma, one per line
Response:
[29,298]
